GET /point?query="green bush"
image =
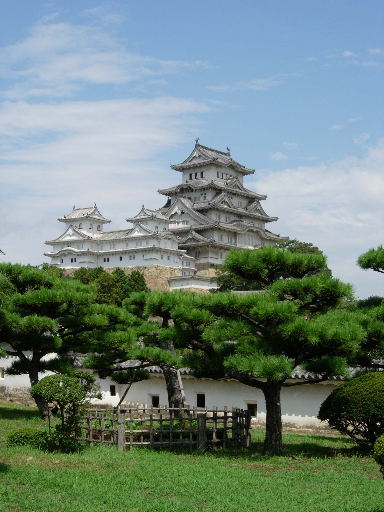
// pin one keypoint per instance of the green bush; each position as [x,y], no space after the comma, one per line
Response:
[378,453]
[357,408]
[58,441]
[27,436]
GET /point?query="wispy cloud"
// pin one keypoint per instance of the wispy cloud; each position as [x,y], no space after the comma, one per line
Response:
[311,59]
[375,51]
[59,58]
[101,14]
[278,156]
[291,145]
[360,139]
[349,54]
[78,152]
[257,84]
[336,127]
[353,120]
[336,205]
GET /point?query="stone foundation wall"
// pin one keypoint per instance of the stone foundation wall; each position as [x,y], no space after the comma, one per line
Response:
[155,275]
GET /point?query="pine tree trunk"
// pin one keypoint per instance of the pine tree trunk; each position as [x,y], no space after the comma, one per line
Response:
[175,390]
[40,402]
[273,444]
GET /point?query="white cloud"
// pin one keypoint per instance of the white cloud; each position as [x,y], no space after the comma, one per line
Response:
[311,59]
[257,84]
[336,205]
[353,119]
[359,139]
[375,51]
[336,127]
[101,14]
[290,145]
[278,156]
[59,58]
[111,152]
[349,54]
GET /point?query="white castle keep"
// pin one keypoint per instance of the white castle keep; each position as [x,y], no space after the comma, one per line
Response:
[205,216]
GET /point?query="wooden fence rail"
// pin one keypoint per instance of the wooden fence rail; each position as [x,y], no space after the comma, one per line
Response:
[168,427]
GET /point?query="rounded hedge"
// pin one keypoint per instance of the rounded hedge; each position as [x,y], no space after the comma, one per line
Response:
[378,453]
[356,408]
[27,436]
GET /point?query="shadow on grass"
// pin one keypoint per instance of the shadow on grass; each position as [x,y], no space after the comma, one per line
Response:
[19,414]
[311,447]
[4,467]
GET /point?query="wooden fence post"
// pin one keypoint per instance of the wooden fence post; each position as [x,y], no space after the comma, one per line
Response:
[201,432]
[121,430]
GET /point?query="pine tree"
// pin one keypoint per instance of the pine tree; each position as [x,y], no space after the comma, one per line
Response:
[260,338]
[43,315]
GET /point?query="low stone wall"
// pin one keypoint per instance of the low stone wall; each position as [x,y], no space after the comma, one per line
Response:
[156,276]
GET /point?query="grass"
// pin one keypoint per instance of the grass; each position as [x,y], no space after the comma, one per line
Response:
[319,474]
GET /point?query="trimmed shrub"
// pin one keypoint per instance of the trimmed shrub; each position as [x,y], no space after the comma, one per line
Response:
[378,453]
[27,436]
[357,408]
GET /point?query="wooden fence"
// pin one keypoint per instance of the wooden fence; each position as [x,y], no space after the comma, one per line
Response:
[168,427]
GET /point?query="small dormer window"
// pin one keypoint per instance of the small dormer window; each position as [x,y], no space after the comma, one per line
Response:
[196,174]
[98,227]
[191,176]
[201,175]
[80,225]
[91,226]
[156,228]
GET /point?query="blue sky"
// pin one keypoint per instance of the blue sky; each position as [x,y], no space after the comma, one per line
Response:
[97,99]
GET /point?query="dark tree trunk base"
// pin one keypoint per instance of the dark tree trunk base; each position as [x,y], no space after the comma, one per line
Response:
[273,444]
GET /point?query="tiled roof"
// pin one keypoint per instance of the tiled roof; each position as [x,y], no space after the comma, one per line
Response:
[216,184]
[203,155]
[81,213]
[145,213]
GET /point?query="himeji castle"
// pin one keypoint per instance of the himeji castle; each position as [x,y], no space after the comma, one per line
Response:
[205,216]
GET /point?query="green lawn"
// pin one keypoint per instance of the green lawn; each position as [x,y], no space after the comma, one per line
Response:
[319,474]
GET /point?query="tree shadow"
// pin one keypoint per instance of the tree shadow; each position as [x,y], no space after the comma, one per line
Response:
[19,414]
[4,467]
[320,447]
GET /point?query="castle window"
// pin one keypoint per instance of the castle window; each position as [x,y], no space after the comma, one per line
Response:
[220,238]
[200,399]
[197,255]
[106,260]
[187,263]
[204,196]
[121,258]
[155,400]
[156,228]
[98,227]
[201,175]
[91,226]
[230,240]
[80,225]
[133,257]
[168,257]
[130,257]
[112,390]
[1,373]
[239,203]
[196,174]
[191,176]
[62,261]
[218,175]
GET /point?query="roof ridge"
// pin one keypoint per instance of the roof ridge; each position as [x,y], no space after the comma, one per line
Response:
[216,150]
